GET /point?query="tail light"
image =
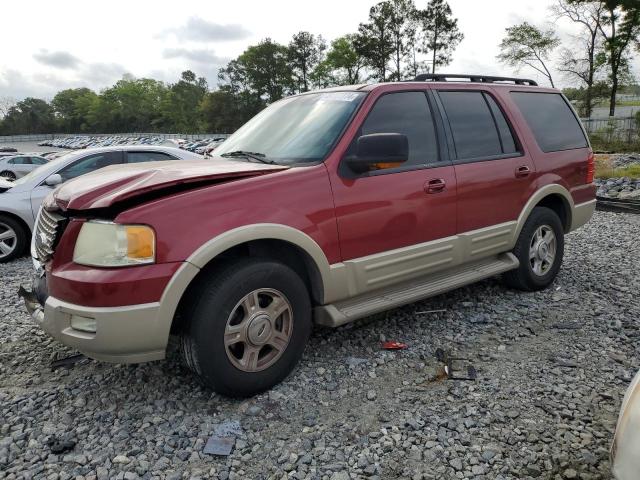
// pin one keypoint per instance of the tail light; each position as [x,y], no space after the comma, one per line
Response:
[591,167]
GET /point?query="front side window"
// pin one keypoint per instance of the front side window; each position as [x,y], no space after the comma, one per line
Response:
[141,157]
[407,113]
[90,164]
[297,129]
[551,120]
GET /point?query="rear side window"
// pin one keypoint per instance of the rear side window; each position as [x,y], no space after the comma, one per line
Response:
[140,157]
[407,113]
[478,125]
[551,120]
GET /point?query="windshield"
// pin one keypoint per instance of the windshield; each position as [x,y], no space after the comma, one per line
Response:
[51,167]
[296,129]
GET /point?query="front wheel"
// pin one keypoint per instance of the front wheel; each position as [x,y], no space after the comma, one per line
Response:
[8,175]
[540,248]
[13,239]
[247,327]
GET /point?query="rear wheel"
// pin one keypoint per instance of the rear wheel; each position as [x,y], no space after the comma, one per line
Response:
[8,175]
[13,239]
[247,326]
[540,248]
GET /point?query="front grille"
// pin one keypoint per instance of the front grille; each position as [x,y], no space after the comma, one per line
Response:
[48,230]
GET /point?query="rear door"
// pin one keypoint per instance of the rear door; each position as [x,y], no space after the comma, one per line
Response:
[494,173]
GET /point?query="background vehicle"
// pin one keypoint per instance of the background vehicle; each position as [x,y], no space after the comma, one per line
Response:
[18,166]
[626,442]
[328,206]
[20,200]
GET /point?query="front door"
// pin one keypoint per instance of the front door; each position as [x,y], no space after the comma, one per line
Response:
[391,220]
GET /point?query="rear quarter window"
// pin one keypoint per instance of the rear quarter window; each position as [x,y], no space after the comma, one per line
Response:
[553,123]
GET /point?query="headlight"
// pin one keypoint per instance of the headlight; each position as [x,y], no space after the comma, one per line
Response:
[107,244]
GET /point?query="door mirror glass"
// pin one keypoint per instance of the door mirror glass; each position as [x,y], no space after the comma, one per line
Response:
[53,180]
[379,150]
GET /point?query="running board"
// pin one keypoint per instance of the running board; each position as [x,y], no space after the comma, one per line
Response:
[346,311]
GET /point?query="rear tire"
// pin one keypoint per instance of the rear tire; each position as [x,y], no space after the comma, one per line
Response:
[13,239]
[540,248]
[246,327]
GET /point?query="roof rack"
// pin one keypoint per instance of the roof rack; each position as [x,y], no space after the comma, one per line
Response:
[444,77]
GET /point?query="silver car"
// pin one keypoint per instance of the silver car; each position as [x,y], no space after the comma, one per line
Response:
[20,200]
[18,166]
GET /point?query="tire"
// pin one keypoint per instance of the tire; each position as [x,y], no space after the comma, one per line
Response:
[225,302]
[13,239]
[8,175]
[533,273]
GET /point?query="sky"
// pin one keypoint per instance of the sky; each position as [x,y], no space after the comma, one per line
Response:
[48,46]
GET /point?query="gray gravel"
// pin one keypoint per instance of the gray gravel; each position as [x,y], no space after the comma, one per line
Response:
[552,368]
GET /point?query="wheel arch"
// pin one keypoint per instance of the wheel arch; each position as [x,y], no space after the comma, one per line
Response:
[18,219]
[279,242]
[552,196]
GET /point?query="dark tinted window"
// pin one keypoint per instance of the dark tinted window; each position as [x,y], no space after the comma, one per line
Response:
[20,161]
[90,163]
[38,161]
[553,123]
[506,136]
[474,131]
[140,157]
[407,113]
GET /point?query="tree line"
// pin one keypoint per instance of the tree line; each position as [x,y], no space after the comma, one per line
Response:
[397,41]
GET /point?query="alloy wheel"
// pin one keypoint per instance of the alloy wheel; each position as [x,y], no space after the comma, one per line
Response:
[8,240]
[258,330]
[542,250]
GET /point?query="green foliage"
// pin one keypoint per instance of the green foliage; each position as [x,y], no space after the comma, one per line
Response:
[224,111]
[527,45]
[179,105]
[305,54]
[31,115]
[441,33]
[72,108]
[374,42]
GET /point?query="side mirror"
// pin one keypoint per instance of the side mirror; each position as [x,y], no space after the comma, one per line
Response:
[53,180]
[379,150]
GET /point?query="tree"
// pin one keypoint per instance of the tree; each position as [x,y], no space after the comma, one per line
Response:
[402,24]
[5,104]
[224,111]
[441,34]
[305,53]
[343,61]
[374,41]
[623,22]
[263,69]
[71,107]
[180,104]
[583,62]
[526,45]
[31,115]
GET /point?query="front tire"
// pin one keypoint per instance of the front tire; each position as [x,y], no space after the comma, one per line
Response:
[13,239]
[8,175]
[247,326]
[540,249]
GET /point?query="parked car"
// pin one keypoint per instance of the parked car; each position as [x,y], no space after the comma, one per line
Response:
[20,200]
[327,206]
[8,150]
[18,166]
[626,442]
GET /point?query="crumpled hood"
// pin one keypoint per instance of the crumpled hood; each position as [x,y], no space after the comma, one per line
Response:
[108,186]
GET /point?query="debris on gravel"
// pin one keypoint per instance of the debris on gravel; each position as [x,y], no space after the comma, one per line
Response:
[552,368]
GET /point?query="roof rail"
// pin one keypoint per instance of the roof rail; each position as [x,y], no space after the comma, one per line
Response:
[444,77]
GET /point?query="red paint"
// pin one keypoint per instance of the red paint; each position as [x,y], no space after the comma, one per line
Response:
[348,218]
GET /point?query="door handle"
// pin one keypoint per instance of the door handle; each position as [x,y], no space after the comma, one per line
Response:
[522,171]
[435,185]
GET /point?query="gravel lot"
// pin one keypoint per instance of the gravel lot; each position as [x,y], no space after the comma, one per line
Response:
[552,369]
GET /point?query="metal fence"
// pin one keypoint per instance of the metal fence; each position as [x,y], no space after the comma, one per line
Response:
[613,129]
[39,137]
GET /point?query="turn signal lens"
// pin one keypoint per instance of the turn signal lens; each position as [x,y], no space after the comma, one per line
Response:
[140,242]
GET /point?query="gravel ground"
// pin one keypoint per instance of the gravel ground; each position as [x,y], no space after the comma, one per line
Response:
[552,369]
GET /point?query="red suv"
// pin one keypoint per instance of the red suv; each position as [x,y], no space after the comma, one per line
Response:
[326,207]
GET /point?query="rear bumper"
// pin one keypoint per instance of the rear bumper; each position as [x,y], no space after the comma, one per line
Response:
[128,334]
[582,213]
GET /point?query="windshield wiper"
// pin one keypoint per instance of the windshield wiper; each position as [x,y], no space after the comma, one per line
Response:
[261,157]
